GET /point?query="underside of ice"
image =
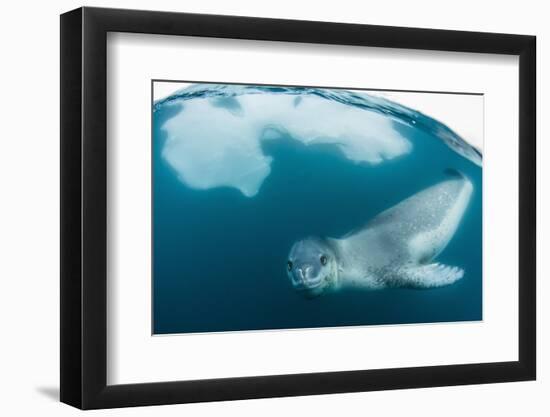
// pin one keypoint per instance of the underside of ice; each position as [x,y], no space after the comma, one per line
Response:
[215,139]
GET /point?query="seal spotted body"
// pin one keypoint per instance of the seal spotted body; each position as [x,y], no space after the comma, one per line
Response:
[395,249]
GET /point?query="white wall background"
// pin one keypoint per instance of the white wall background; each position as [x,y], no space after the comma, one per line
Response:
[29,237]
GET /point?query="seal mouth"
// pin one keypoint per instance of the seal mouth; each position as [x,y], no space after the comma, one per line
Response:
[309,290]
[306,287]
[304,284]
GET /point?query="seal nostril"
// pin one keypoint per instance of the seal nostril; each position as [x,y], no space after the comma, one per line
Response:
[304,274]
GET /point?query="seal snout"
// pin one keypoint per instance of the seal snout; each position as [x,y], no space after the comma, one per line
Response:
[304,271]
[304,277]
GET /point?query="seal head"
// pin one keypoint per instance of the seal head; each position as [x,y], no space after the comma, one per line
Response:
[312,266]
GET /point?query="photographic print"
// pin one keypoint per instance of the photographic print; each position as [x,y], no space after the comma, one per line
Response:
[289,207]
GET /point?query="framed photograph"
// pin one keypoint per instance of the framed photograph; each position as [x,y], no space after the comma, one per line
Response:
[256,208]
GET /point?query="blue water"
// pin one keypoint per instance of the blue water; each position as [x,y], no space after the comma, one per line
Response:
[219,255]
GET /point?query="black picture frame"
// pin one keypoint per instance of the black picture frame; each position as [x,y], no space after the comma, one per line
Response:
[84,207]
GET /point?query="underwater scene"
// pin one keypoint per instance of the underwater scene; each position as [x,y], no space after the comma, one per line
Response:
[278,207]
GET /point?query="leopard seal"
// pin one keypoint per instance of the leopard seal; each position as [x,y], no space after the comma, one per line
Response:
[395,249]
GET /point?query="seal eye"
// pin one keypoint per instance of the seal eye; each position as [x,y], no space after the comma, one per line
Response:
[289,265]
[323,260]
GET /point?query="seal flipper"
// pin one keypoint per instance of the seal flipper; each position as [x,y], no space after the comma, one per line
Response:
[426,276]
